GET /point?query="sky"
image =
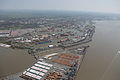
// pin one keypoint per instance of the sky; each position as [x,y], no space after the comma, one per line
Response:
[106,6]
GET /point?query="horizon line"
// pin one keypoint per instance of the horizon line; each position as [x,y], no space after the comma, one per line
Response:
[59,11]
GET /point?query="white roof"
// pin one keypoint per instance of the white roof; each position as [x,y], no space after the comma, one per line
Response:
[50,55]
[39,69]
[42,66]
[50,65]
[33,75]
[34,71]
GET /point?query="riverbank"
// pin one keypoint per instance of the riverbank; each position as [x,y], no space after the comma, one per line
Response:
[102,50]
[71,54]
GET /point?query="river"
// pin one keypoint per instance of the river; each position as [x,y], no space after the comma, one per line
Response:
[100,62]
[13,61]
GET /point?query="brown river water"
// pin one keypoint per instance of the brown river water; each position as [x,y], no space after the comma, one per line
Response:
[13,61]
[100,63]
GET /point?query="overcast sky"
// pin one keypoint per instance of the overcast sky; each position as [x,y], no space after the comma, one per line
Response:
[109,6]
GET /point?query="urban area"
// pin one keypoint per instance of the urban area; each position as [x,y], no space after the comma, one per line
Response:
[57,43]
